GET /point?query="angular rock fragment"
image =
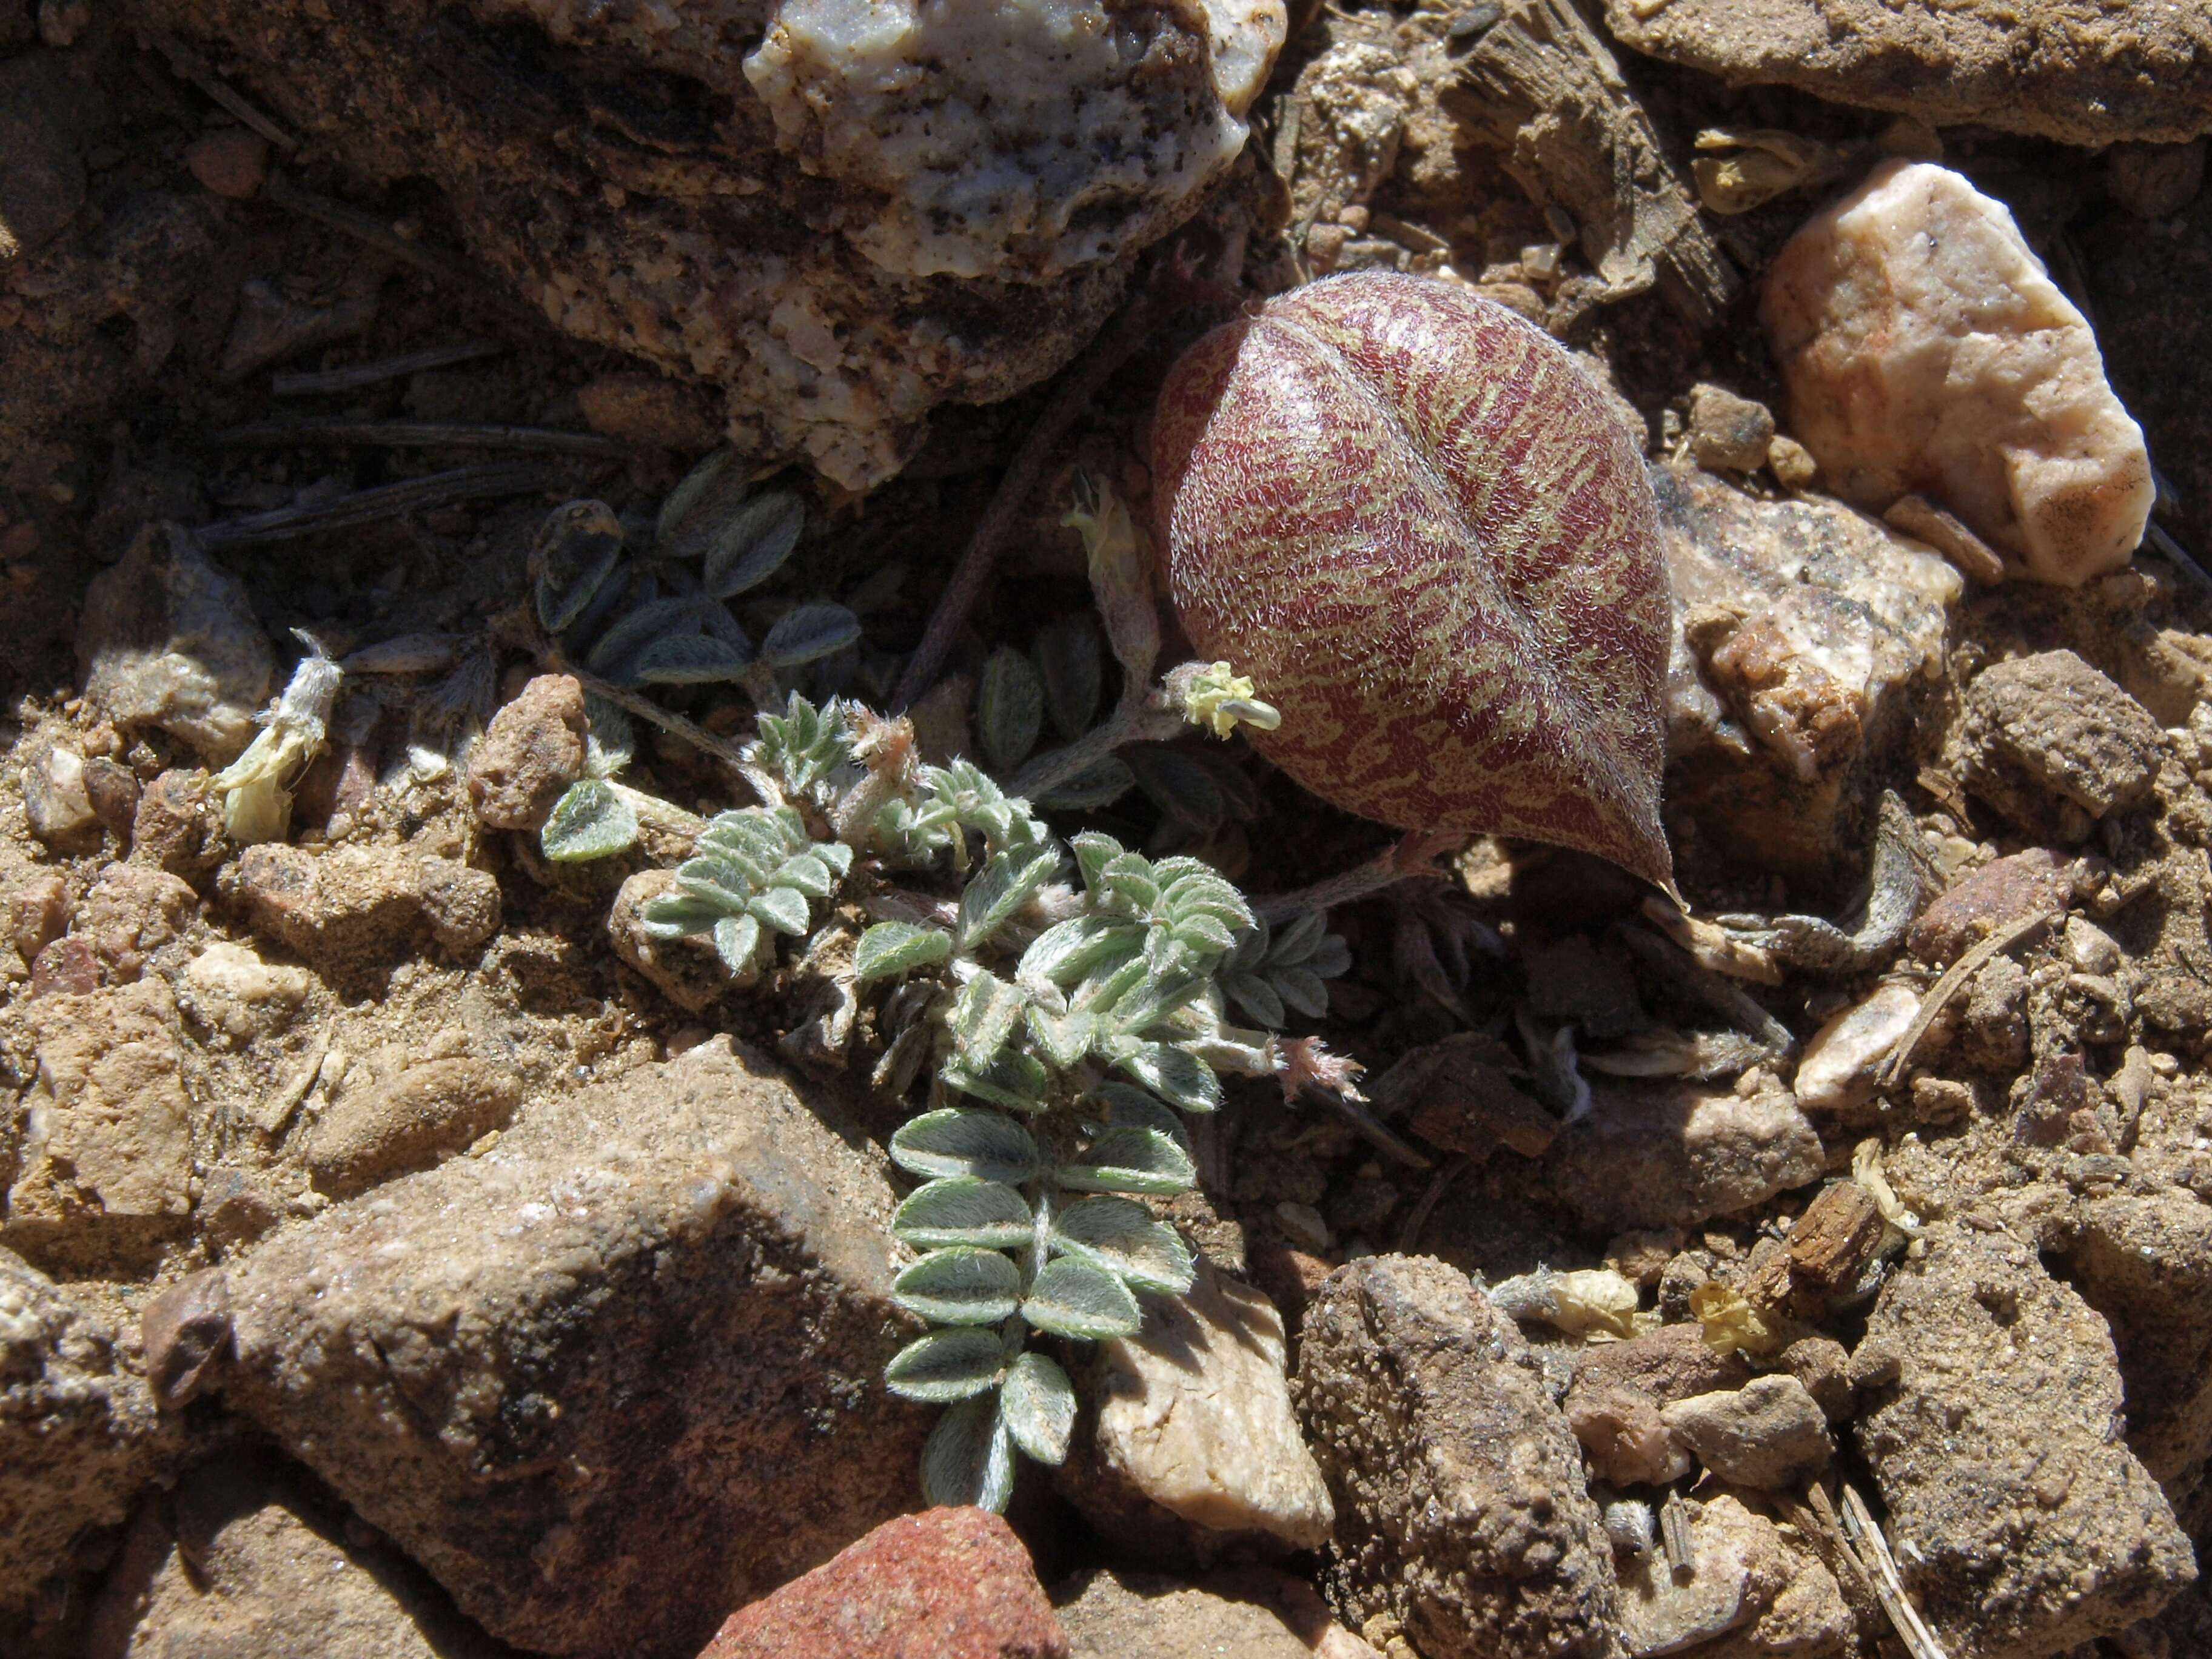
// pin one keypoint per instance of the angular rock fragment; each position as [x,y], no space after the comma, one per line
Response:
[79,1435]
[1926,351]
[2021,1521]
[1194,1417]
[1747,1593]
[132,913]
[1837,1071]
[1462,1507]
[105,1159]
[533,749]
[613,1376]
[168,639]
[57,805]
[685,970]
[243,1563]
[1253,1614]
[349,905]
[2083,76]
[1671,1154]
[1769,1434]
[2046,732]
[949,1584]
[842,216]
[1805,634]
[405,1122]
[1989,901]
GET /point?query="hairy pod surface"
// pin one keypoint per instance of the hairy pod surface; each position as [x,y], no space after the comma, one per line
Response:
[1415,523]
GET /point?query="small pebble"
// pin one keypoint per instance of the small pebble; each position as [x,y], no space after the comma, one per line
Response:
[1304,1224]
[231,162]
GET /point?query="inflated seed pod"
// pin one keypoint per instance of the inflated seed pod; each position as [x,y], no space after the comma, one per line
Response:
[1407,515]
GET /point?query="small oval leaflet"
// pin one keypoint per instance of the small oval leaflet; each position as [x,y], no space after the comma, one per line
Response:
[1131,1160]
[590,821]
[960,1140]
[616,652]
[689,659]
[969,1457]
[1119,1235]
[753,543]
[960,1286]
[808,631]
[947,1365]
[1174,1074]
[1072,1296]
[1038,1404]
[1069,665]
[898,947]
[1000,888]
[1009,709]
[576,549]
[963,1210]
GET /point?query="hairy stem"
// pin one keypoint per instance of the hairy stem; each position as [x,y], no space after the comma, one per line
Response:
[1404,861]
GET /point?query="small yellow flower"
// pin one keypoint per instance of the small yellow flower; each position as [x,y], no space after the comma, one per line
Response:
[1218,699]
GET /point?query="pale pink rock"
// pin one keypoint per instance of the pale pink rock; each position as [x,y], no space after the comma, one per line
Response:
[1925,350]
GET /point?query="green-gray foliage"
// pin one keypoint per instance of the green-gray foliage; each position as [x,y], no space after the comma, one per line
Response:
[1070,1007]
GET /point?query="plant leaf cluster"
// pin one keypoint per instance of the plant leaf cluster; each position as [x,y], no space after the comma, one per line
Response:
[647,602]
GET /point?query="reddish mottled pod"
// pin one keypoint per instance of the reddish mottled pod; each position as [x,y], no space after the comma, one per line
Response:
[1416,524]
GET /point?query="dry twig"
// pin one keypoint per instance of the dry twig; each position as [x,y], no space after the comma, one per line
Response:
[419,434]
[318,383]
[1953,980]
[191,66]
[461,483]
[1858,1527]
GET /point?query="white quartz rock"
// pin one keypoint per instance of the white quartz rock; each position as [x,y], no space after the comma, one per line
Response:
[1195,1413]
[1925,350]
[1003,134]
[1843,1062]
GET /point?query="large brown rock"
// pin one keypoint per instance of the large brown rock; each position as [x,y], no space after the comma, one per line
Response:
[845,215]
[2021,1522]
[610,1378]
[1672,1154]
[1462,1505]
[2085,74]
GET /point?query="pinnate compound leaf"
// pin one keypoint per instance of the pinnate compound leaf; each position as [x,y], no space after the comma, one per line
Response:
[1001,887]
[590,821]
[960,1140]
[806,632]
[963,1210]
[1257,997]
[890,948]
[961,1286]
[1074,1296]
[947,1365]
[1547,643]
[1131,1160]
[678,915]
[1119,1235]
[1009,709]
[969,1457]
[1037,1403]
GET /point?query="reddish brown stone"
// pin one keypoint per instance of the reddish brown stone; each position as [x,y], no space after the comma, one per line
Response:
[1994,896]
[532,751]
[952,1584]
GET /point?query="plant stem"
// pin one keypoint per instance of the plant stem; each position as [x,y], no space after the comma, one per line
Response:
[1404,861]
[1140,718]
[731,755]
